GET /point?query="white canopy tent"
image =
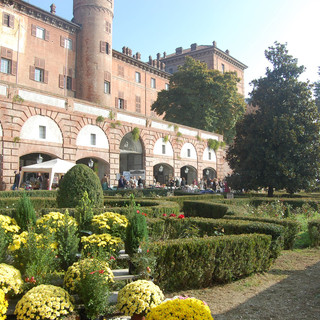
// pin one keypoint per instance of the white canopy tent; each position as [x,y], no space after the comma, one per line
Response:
[52,167]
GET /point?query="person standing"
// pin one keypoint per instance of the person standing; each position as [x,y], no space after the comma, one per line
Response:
[16,180]
[140,183]
[105,182]
[122,183]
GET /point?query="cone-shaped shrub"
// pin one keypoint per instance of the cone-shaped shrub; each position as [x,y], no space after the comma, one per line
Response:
[76,181]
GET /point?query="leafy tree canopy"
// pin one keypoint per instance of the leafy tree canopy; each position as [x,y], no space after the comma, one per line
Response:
[278,145]
[317,92]
[202,98]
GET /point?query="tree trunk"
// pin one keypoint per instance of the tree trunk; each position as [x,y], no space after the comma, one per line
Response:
[270,191]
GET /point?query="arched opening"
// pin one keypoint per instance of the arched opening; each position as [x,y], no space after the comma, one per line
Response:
[209,173]
[162,173]
[35,180]
[189,173]
[131,154]
[99,166]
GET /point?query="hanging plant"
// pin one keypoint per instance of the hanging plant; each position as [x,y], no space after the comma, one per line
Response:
[135,134]
[165,139]
[198,138]
[112,115]
[17,98]
[99,119]
[179,134]
[176,128]
[213,144]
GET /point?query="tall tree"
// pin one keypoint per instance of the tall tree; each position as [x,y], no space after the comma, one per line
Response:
[317,92]
[202,98]
[278,145]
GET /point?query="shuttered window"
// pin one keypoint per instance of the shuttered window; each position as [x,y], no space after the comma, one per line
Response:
[8,66]
[138,104]
[8,20]
[120,70]
[37,72]
[104,47]
[40,32]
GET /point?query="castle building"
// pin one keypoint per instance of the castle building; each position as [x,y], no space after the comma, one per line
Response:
[66,93]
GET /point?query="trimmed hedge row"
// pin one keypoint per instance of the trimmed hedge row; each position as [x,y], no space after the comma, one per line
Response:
[197,263]
[195,197]
[204,209]
[30,193]
[314,232]
[38,203]
[136,192]
[291,227]
[173,228]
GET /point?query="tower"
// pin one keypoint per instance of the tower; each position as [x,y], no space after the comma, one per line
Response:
[94,50]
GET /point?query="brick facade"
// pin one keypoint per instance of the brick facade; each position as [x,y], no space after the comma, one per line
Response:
[67,74]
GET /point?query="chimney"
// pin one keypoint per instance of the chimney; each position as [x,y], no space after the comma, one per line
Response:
[158,56]
[150,60]
[214,44]
[179,50]
[164,54]
[53,9]
[227,52]
[194,47]
[127,50]
[124,50]
[130,52]
[138,55]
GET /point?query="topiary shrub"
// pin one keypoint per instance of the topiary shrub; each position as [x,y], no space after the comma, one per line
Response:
[76,181]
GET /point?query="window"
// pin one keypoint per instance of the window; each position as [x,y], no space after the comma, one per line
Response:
[107,87]
[138,77]
[39,75]
[138,104]
[121,103]
[5,65]
[163,149]
[108,27]
[153,83]
[120,71]
[68,44]
[171,70]
[93,139]
[8,20]
[39,32]
[104,47]
[42,132]
[38,72]
[222,68]
[69,83]
[8,66]
[167,86]
[209,155]
[189,153]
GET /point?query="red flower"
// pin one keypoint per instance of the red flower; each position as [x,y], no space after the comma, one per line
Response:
[101,271]
[164,215]
[181,216]
[172,215]
[112,258]
[144,214]
[138,211]
[93,272]
[147,250]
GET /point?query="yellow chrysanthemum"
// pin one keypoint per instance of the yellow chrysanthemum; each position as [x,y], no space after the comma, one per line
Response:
[10,279]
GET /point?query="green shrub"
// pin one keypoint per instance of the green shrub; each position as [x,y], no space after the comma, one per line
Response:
[24,214]
[30,193]
[291,227]
[204,209]
[38,203]
[84,212]
[197,263]
[76,181]
[3,245]
[136,231]
[314,232]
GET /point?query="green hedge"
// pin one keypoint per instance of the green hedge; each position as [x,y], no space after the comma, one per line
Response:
[137,192]
[173,228]
[38,203]
[204,209]
[194,197]
[314,232]
[291,227]
[30,193]
[197,263]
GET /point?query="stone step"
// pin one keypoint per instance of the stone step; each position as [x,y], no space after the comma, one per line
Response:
[122,274]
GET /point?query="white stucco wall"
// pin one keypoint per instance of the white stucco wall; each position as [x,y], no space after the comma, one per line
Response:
[41,98]
[157,150]
[30,129]
[206,155]
[209,136]
[184,151]
[84,137]
[91,110]
[131,119]
[1,134]
[188,132]
[162,126]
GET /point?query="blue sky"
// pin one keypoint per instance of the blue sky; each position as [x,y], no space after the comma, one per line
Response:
[246,28]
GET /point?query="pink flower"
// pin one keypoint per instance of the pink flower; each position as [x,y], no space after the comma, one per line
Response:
[112,258]
[138,211]
[164,215]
